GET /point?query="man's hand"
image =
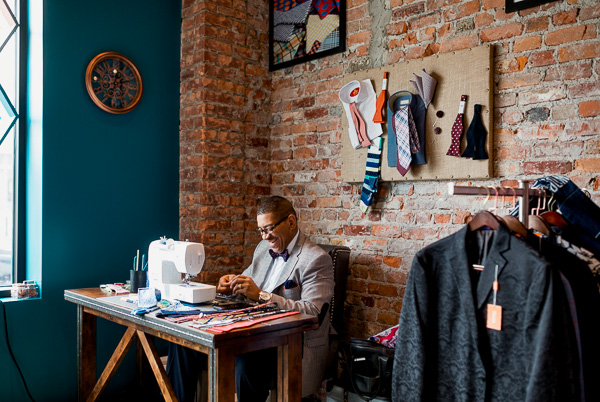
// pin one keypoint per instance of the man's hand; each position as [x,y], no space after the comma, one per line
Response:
[224,286]
[244,285]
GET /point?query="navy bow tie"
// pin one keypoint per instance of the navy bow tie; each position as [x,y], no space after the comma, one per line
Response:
[285,255]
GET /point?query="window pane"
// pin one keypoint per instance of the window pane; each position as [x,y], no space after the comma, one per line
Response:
[8,101]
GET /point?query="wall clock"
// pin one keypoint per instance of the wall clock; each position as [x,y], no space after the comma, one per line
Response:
[113,82]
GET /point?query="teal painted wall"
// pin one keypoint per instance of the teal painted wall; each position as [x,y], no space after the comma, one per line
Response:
[110,183]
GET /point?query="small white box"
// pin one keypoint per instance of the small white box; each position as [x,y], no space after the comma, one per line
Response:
[193,292]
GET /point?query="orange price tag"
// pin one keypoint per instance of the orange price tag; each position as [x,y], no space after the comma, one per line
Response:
[494,317]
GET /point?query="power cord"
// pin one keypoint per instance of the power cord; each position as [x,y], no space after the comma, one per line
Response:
[11,352]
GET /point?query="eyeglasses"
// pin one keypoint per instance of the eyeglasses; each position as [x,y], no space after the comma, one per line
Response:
[269,229]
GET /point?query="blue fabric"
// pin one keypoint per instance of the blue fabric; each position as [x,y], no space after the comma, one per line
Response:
[576,207]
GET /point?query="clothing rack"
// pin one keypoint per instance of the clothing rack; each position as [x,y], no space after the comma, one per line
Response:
[524,192]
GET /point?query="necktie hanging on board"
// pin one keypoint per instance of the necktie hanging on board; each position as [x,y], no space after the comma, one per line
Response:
[372,173]
[476,135]
[394,102]
[351,94]
[407,139]
[380,104]
[457,129]
[362,94]
[359,125]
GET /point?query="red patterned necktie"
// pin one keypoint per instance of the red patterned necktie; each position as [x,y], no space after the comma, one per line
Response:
[457,129]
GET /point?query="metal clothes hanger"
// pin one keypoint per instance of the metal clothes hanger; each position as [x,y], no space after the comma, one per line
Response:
[535,221]
[484,218]
[514,224]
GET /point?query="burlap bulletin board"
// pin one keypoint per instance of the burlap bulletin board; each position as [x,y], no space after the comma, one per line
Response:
[463,72]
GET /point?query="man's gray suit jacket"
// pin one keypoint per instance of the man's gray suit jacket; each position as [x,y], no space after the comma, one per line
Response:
[308,279]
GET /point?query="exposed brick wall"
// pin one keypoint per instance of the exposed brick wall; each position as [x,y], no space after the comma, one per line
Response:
[224,128]
[546,121]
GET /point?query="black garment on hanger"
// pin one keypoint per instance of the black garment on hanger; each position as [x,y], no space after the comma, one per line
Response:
[444,351]
[587,304]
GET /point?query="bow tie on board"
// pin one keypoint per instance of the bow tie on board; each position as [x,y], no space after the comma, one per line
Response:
[285,255]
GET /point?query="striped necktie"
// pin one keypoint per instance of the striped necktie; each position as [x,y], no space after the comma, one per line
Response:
[407,138]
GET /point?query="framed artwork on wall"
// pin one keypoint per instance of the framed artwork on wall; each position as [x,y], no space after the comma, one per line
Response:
[304,30]
[516,5]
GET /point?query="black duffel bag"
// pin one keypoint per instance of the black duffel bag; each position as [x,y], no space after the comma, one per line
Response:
[368,368]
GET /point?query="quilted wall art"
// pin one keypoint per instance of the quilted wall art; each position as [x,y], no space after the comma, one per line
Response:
[303,30]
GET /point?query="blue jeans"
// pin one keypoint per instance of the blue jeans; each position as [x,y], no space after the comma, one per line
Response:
[575,206]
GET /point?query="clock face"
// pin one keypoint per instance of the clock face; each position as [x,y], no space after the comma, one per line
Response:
[113,82]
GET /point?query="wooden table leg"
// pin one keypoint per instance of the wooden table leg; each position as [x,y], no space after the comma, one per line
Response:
[289,370]
[157,367]
[221,374]
[86,353]
[113,364]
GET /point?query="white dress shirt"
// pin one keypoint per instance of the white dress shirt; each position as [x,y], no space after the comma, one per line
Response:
[277,267]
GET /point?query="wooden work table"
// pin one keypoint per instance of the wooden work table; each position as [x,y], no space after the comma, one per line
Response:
[284,333]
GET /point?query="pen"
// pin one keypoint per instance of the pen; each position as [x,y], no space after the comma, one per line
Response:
[137,257]
[143,260]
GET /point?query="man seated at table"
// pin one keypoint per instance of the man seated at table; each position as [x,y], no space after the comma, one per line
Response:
[290,270]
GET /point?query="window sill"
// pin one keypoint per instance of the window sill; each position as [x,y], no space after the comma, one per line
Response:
[5,296]
[12,299]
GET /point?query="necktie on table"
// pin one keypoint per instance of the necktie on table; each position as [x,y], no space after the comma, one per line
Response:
[457,129]
[476,137]
[407,138]
[285,255]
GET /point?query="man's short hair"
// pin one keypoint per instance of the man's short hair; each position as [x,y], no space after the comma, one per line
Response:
[277,205]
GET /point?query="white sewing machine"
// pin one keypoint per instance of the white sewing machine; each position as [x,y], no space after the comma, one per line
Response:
[168,263]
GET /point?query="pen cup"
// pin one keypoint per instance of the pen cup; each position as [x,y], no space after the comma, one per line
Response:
[137,279]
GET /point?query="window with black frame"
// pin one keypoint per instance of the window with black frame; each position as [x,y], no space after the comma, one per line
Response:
[10,50]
